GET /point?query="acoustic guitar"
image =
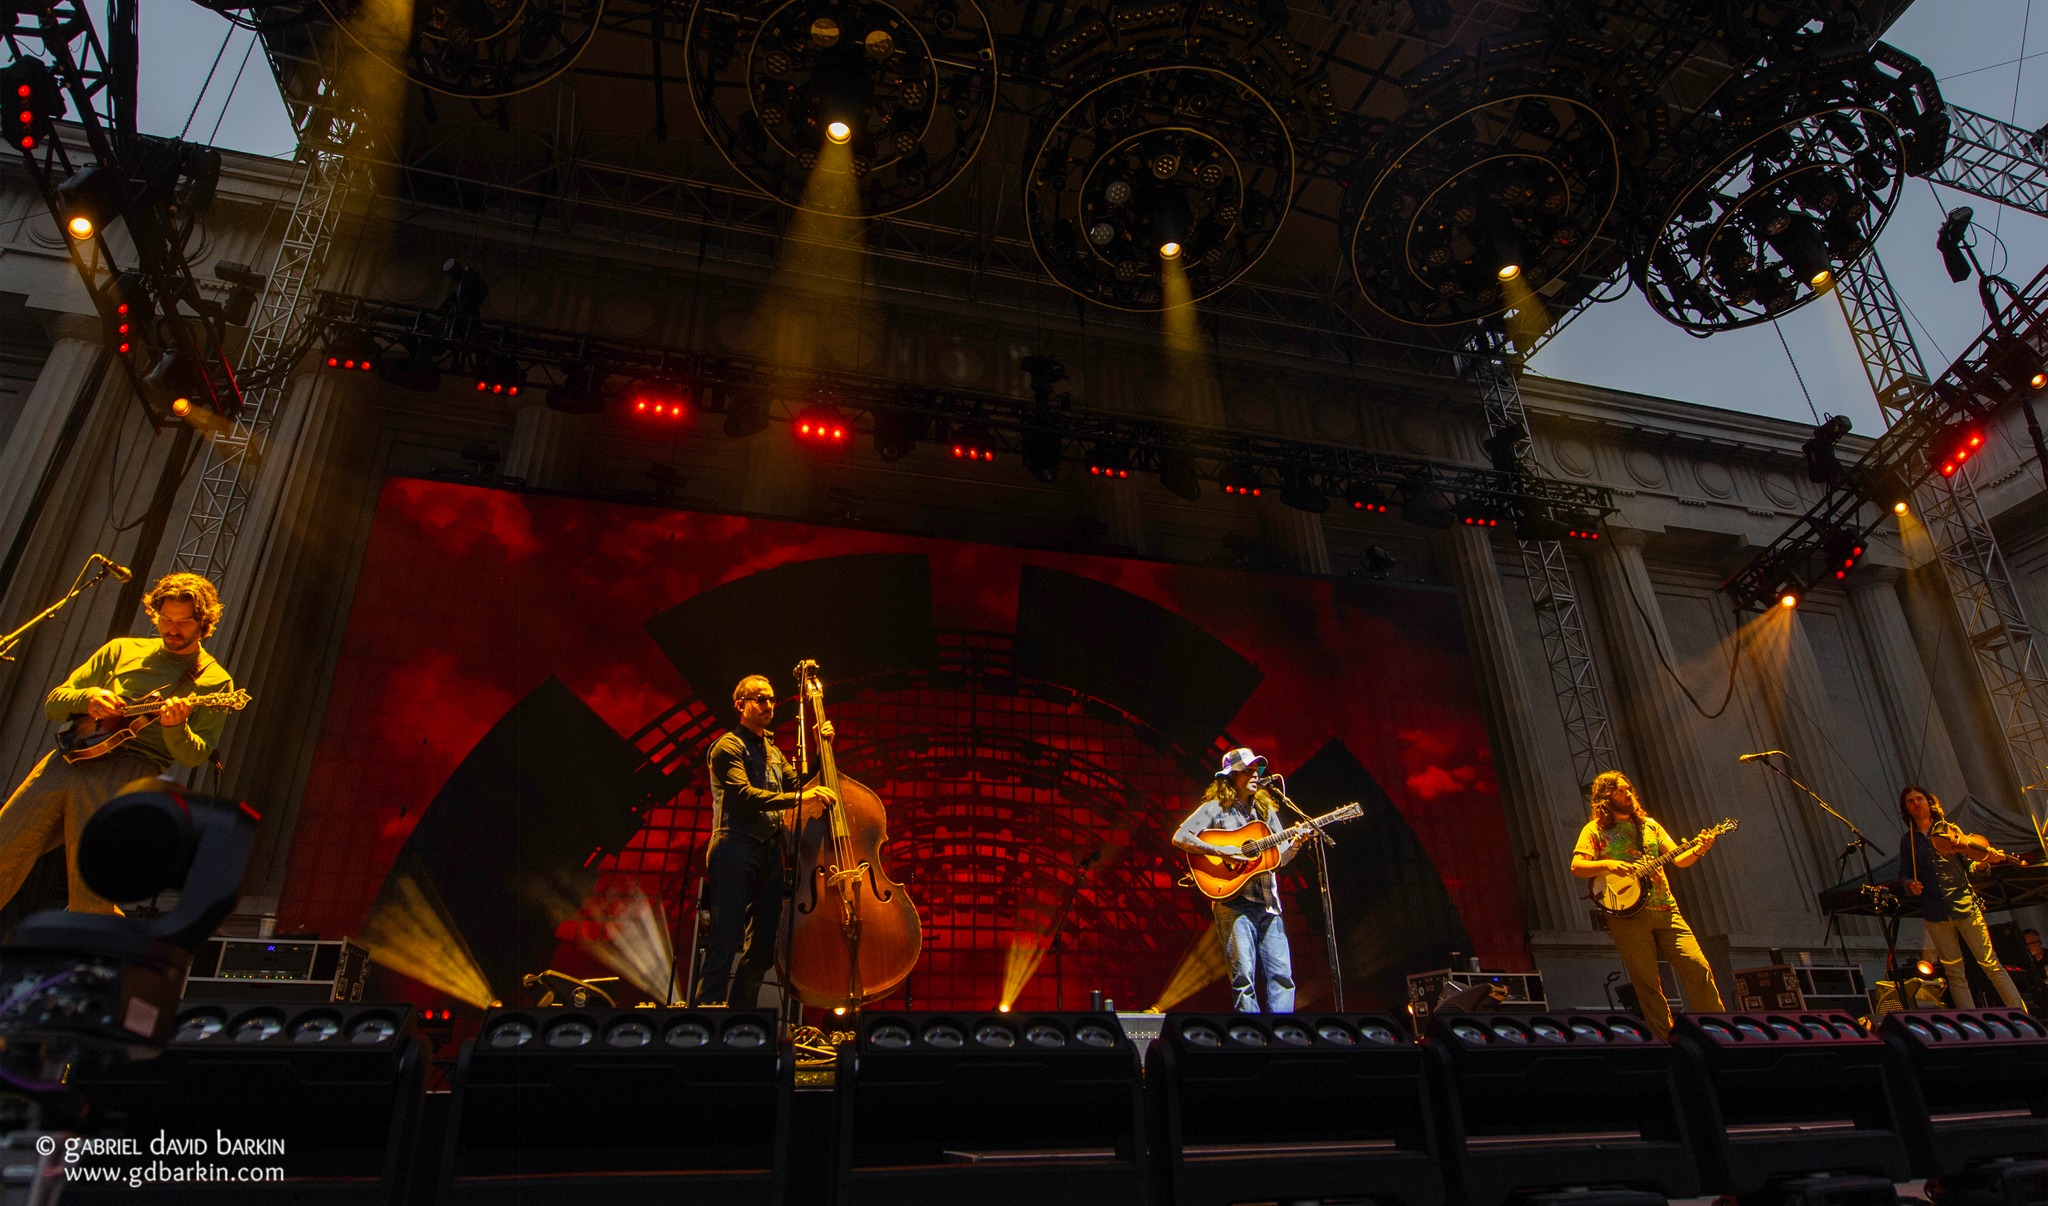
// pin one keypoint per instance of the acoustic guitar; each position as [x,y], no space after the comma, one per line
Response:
[1622,893]
[1220,877]
[86,738]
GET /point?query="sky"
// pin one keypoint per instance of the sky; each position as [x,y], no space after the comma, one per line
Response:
[1975,48]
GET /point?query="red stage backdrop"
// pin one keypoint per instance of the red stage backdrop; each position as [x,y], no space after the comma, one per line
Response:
[510,774]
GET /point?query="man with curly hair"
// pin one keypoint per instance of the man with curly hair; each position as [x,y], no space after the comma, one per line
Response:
[51,806]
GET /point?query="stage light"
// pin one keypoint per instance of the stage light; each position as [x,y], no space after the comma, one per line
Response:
[1822,464]
[128,300]
[897,433]
[1241,479]
[662,399]
[1926,969]
[2038,381]
[181,406]
[822,425]
[1110,460]
[352,350]
[499,375]
[1179,474]
[1956,444]
[1116,192]
[175,383]
[581,391]
[1844,550]
[1169,250]
[1479,513]
[1364,496]
[838,132]
[33,101]
[745,414]
[1950,241]
[86,199]
[245,284]
[1503,447]
[1298,489]
[1422,505]
[1788,598]
[1042,451]
[1899,507]
[1803,248]
[974,442]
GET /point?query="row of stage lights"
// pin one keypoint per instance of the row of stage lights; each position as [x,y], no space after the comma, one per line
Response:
[828,430]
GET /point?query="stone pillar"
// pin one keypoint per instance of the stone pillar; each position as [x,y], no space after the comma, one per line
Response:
[1541,835]
[1120,507]
[1973,730]
[546,447]
[1300,536]
[294,577]
[39,431]
[1676,785]
[1922,752]
[1800,721]
[777,477]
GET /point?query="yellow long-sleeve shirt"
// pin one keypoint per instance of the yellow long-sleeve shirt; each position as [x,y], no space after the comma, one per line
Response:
[132,667]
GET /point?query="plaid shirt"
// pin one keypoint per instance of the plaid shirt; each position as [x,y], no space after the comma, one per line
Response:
[1261,891]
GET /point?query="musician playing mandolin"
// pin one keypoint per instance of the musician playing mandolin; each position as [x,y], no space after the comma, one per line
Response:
[51,806]
[1618,835]
[1934,855]
[1247,924]
[752,787]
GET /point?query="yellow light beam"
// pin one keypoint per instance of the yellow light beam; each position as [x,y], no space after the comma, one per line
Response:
[413,935]
[636,944]
[1201,965]
[1190,365]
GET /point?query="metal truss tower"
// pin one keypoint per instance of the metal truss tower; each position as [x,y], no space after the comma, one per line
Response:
[1574,678]
[235,454]
[1993,622]
[1996,160]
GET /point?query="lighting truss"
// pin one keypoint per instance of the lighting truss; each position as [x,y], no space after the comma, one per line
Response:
[1996,160]
[1330,468]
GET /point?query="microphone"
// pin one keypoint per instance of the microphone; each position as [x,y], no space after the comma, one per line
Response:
[113,567]
[1755,756]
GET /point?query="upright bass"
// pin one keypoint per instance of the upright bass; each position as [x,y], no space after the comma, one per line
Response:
[855,933]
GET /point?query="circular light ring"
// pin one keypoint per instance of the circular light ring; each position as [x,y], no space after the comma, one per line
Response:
[481,50]
[200,1025]
[1532,154]
[316,1027]
[914,79]
[1828,155]
[1198,143]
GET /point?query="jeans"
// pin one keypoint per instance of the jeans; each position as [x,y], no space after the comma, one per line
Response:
[1949,938]
[1255,947]
[1661,933]
[743,889]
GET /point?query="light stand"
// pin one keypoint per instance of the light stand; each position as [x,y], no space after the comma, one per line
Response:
[1887,925]
[1322,842]
[79,586]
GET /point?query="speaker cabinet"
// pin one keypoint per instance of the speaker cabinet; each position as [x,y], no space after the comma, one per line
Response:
[1774,1096]
[1291,1106]
[991,1109]
[336,1086]
[619,1106]
[1976,1098]
[1535,1102]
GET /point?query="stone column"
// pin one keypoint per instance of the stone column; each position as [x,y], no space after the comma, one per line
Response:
[1923,753]
[294,578]
[1120,507]
[777,477]
[1540,835]
[546,447]
[1300,536]
[1799,718]
[1973,729]
[39,431]
[1677,786]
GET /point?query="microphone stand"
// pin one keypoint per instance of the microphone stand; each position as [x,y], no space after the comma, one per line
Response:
[1322,842]
[78,587]
[792,859]
[1059,929]
[1888,926]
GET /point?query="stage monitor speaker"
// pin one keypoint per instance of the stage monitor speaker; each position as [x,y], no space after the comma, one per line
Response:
[1976,1099]
[1527,1103]
[1920,994]
[328,1093]
[619,1106]
[989,1108]
[1288,1107]
[1773,1097]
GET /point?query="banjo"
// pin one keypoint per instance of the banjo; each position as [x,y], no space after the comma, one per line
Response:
[1621,893]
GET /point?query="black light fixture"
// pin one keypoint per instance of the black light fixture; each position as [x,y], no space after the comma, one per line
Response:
[581,391]
[499,374]
[176,385]
[130,314]
[1239,478]
[974,442]
[1822,464]
[1109,459]
[1178,473]
[1422,505]
[1844,549]
[1504,243]
[352,350]
[88,201]
[659,397]
[1364,496]
[1378,561]
[467,290]
[1298,489]
[1480,512]
[823,425]
[1803,248]
[1502,448]
[33,101]
[897,433]
[1042,451]
[1044,372]
[746,413]
[1954,445]
[1950,241]
[245,285]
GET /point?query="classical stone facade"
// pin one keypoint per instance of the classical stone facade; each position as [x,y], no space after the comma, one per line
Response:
[1869,685]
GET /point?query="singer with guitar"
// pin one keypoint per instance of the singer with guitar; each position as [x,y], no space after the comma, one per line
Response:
[162,674]
[1935,856]
[1248,922]
[1618,836]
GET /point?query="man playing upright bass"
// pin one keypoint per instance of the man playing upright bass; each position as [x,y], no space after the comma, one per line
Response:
[52,805]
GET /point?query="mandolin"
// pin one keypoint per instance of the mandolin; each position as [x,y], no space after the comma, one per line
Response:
[86,738]
[1622,893]
[1220,878]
